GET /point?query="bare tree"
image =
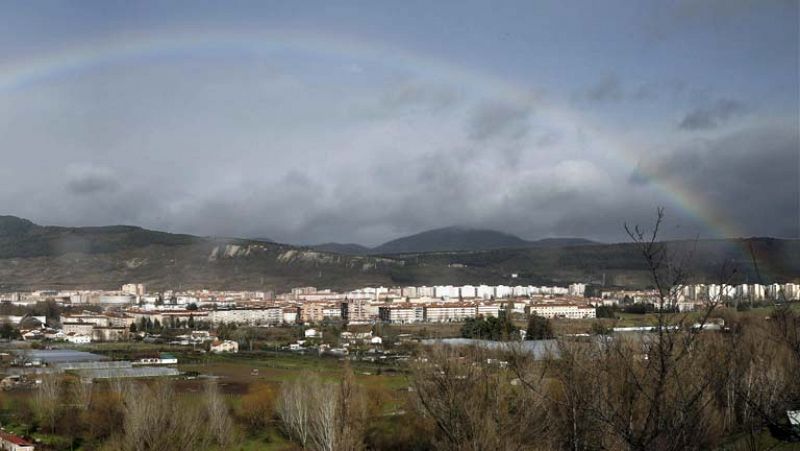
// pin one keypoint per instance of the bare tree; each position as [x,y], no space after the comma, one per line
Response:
[155,420]
[82,393]
[322,399]
[351,413]
[324,416]
[473,404]
[47,400]
[643,392]
[294,408]
[219,421]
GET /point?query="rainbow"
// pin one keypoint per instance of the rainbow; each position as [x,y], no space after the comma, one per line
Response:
[22,74]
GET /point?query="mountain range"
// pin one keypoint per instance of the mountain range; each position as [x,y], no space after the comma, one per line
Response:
[450,239]
[38,257]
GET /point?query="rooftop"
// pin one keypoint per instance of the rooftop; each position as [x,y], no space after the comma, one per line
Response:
[15,439]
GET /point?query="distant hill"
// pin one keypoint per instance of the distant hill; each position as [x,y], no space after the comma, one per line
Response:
[450,239]
[105,257]
[34,256]
[22,238]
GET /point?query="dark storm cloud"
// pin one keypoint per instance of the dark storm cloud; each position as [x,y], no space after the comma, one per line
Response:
[712,115]
[750,177]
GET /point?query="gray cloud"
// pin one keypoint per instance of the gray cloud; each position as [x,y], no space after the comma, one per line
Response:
[608,89]
[418,94]
[712,115]
[90,179]
[495,119]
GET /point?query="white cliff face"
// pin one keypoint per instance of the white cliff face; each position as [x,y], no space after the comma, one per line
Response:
[290,256]
[135,263]
[233,251]
[307,257]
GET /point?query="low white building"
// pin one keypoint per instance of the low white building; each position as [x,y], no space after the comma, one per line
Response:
[13,442]
[78,339]
[77,328]
[218,347]
[563,311]
[312,333]
[487,309]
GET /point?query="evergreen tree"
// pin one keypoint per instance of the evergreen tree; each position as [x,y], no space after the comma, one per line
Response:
[539,328]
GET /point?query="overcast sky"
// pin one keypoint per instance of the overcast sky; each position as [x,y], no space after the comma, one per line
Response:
[363,121]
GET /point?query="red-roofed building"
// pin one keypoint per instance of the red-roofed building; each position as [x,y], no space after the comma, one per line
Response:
[12,442]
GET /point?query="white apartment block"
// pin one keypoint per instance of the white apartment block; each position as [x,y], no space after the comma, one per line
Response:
[134,289]
[792,291]
[332,312]
[484,291]
[444,313]
[445,292]
[502,291]
[468,292]
[576,289]
[271,315]
[405,314]
[290,315]
[520,291]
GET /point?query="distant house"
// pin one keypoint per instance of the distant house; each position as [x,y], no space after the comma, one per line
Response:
[168,359]
[78,339]
[313,333]
[13,442]
[224,346]
[161,359]
[78,328]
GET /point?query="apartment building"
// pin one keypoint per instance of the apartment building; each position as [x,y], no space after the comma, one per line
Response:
[563,311]
[449,312]
[402,314]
